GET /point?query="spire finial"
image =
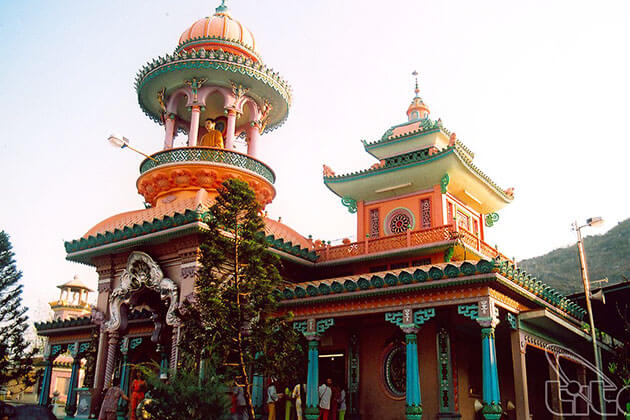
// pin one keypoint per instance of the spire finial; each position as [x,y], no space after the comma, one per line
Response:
[222,8]
[416,90]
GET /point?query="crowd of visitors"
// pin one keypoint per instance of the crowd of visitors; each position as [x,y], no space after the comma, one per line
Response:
[291,404]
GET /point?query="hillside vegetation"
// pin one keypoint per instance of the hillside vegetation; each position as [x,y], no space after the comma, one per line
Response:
[607,255]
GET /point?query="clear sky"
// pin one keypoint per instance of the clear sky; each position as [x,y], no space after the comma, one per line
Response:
[538,90]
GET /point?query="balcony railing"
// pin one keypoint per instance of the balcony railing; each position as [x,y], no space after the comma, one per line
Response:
[407,240]
[208,154]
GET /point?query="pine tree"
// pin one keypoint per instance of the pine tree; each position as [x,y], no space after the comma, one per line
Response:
[235,295]
[16,358]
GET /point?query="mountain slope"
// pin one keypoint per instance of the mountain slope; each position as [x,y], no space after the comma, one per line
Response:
[607,255]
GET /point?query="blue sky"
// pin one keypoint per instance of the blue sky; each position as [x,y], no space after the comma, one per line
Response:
[538,90]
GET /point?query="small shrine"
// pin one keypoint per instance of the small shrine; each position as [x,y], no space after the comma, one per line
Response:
[73,300]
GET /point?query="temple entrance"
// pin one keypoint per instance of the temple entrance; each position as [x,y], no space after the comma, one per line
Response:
[333,365]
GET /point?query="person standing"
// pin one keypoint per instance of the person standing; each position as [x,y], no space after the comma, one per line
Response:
[297,396]
[342,404]
[138,388]
[325,394]
[272,398]
[110,403]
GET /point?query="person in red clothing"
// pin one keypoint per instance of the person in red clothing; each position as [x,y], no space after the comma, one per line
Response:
[334,402]
[138,388]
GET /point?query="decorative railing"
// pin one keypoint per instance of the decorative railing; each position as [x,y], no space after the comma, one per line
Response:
[406,240]
[208,154]
[477,244]
[387,243]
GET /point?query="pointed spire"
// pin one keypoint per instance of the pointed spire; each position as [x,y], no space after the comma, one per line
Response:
[222,8]
[416,90]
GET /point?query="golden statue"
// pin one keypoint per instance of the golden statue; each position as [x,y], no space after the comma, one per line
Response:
[213,138]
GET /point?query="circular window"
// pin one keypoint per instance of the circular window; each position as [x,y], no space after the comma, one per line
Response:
[399,221]
[394,371]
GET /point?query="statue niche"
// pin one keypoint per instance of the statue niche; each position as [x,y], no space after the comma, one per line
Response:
[143,284]
[213,138]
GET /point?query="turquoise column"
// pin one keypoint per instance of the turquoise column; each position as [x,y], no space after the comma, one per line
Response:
[44,394]
[71,400]
[257,392]
[491,396]
[312,330]
[410,322]
[312,381]
[414,400]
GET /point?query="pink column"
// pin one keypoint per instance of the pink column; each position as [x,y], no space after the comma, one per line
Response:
[231,127]
[253,133]
[169,131]
[194,126]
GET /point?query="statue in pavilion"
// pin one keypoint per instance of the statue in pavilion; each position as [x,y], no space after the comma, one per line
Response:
[213,138]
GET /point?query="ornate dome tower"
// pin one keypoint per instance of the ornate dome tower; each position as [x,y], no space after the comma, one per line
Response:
[215,88]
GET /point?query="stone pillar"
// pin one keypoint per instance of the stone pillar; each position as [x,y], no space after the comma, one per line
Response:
[195,114]
[491,397]
[312,380]
[253,134]
[169,130]
[124,376]
[111,358]
[410,322]
[49,355]
[230,129]
[414,400]
[71,399]
[519,366]
[101,355]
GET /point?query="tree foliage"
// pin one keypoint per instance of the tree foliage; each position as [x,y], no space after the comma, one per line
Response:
[16,358]
[186,396]
[235,303]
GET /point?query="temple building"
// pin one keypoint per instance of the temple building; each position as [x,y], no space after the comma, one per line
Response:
[419,318]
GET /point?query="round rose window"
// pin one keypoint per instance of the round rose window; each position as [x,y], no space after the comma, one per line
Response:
[394,371]
[399,221]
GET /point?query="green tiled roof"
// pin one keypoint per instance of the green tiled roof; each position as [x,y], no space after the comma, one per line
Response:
[429,276]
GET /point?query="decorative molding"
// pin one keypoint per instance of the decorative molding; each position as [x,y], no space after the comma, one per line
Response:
[444,183]
[491,219]
[469,311]
[141,271]
[350,203]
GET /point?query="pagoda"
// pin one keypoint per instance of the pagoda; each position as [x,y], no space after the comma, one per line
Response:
[73,300]
[419,317]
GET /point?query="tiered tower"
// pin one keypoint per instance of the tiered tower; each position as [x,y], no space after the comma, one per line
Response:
[215,88]
[425,186]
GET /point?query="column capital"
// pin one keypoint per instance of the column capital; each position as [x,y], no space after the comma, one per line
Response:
[312,328]
[408,320]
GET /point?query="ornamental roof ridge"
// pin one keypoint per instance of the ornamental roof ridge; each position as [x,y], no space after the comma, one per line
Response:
[430,275]
[395,162]
[58,323]
[425,127]
[183,44]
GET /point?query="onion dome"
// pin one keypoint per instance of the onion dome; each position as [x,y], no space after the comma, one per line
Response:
[219,31]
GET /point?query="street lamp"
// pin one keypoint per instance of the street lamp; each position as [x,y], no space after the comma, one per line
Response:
[121,142]
[594,222]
